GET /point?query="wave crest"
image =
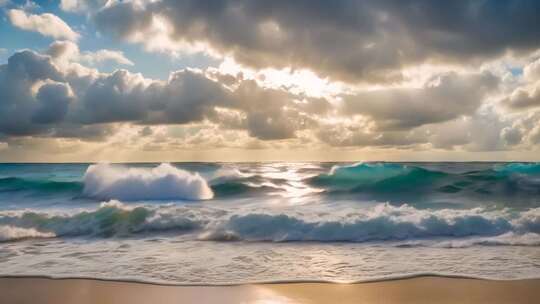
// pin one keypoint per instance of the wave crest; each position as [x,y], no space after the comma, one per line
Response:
[10,233]
[384,222]
[110,219]
[105,181]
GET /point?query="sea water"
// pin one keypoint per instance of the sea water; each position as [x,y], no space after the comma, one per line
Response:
[228,223]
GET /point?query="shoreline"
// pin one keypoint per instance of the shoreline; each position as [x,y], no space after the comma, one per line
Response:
[419,289]
[300,281]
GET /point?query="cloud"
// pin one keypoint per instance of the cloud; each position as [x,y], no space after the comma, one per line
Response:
[483,130]
[106,55]
[41,95]
[46,24]
[79,6]
[55,96]
[349,135]
[524,130]
[69,51]
[523,99]
[53,100]
[531,71]
[24,92]
[527,94]
[444,97]
[350,40]
[511,136]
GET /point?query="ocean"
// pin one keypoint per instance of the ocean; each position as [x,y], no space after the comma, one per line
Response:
[231,223]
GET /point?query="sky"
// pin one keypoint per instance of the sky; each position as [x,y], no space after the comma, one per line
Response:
[241,80]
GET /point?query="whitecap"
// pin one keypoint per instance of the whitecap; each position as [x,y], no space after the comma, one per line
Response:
[106,181]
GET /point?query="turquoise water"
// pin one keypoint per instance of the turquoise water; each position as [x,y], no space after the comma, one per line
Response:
[244,222]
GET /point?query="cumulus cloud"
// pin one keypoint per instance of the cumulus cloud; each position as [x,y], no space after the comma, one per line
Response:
[523,98]
[69,51]
[527,94]
[369,41]
[54,95]
[53,100]
[524,130]
[79,6]
[106,55]
[443,98]
[25,95]
[46,24]
[47,94]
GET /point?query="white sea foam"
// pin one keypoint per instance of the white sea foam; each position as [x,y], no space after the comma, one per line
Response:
[383,222]
[105,181]
[227,174]
[507,239]
[10,233]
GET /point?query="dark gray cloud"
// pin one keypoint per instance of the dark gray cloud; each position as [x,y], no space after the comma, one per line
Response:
[53,102]
[21,111]
[352,40]
[117,97]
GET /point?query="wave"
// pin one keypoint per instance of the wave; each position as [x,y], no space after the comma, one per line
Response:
[105,181]
[375,175]
[15,184]
[512,184]
[110,219]
[383,222]
[522,168]
[9,233]
[391,181]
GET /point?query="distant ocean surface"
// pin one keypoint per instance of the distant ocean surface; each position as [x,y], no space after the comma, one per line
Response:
[227,223]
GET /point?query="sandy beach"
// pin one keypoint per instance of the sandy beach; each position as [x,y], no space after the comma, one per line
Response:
[414,290]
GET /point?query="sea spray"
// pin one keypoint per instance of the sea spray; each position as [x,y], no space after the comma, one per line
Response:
[164,182]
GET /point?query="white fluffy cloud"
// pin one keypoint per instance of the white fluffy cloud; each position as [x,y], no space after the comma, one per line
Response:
[527,94]
[79,6]
[46,24]
[69,51]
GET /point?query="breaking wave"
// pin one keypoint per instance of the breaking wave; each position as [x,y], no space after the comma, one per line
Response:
[104,181]
[110,219]
[383,222]
[9,233]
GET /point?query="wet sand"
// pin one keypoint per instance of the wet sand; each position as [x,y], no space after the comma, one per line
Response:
[35,290]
